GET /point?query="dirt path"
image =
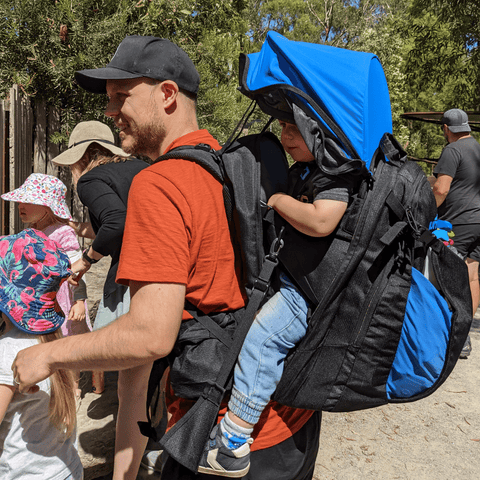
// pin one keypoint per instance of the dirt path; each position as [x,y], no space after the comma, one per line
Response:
[437,438]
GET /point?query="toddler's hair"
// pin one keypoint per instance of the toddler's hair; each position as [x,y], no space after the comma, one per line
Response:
[62,408]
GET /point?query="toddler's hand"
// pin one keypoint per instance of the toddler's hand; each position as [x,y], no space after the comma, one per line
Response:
[275,197]
[77,312]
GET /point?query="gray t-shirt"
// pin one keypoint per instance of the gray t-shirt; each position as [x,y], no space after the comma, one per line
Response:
[31,448]
[461,161]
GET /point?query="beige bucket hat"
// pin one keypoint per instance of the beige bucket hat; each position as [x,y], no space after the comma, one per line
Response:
[83,135]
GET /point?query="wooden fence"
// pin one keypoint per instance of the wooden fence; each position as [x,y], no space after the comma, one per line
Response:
[25,147]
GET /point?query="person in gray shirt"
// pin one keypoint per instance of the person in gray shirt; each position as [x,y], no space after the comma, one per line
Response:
[457,192]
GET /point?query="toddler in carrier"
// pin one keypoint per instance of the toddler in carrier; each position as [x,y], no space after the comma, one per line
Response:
[282,321]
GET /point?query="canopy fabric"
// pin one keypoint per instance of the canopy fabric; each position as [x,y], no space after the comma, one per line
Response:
[349,88]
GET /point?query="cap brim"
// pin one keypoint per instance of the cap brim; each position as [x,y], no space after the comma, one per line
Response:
[74,154]
[459,128]
[95,80]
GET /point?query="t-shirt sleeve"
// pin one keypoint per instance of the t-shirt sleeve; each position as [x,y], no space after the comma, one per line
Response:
[448,162]
[157,232]
[7,355]
[66,238]
[328,187]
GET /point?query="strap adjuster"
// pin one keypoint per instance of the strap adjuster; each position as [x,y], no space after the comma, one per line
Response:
[213,392]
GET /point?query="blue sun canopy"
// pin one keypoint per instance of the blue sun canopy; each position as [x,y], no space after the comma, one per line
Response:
[348,87]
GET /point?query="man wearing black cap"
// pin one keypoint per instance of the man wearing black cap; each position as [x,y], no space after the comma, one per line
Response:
[457,192]
[176,247]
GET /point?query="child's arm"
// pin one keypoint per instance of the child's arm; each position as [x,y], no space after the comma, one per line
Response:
[6,395]
[80,291]
[77,312]
[317,219]
[83,229]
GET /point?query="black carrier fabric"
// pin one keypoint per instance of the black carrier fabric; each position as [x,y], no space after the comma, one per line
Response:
[201,364]
[360,288]
[248,183]
[358,280]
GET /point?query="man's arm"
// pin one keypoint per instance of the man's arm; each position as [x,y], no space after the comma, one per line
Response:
[147,332]
[441,187]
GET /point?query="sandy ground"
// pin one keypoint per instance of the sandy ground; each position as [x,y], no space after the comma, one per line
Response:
[437,438]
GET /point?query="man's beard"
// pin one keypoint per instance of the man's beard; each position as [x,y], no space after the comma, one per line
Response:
[145,140]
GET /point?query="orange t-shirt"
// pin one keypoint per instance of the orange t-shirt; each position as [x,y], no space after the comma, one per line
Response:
[176,231]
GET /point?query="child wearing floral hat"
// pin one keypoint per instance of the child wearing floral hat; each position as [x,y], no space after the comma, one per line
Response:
[42,206]
[37,430]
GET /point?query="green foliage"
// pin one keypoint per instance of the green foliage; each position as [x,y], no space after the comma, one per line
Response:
[439,58]
[428,48]
[45,41]
[454,53]
[332,22]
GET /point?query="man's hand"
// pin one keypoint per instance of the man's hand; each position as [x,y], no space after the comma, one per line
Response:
[31,366]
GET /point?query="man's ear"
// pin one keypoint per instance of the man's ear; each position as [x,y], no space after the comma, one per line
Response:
[170,92]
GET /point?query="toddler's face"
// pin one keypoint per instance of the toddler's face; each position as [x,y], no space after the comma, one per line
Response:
[294,143]
[30,213]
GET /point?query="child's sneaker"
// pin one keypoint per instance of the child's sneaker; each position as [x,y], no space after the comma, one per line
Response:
[217,459]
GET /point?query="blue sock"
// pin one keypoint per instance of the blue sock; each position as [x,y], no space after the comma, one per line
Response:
[234,435]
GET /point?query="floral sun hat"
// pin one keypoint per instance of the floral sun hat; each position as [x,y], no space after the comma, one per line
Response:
[41,189]
[32,268]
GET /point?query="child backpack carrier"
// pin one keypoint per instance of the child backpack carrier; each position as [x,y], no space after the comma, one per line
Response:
[379,331]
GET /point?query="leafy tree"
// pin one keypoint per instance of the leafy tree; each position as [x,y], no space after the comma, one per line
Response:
[332,22]
[461,18]
[45,41]
[440,57]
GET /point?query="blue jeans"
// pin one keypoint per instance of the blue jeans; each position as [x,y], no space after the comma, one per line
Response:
[278,327]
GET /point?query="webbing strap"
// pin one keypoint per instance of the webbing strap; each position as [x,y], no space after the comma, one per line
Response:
[393,233]
[215,391]
[211,325]
[395,206]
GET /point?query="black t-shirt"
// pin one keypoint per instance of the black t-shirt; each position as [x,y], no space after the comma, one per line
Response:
[307,183]
[104,191]
[461,161]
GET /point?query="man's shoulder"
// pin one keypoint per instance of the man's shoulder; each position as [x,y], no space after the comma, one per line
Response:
[463,146]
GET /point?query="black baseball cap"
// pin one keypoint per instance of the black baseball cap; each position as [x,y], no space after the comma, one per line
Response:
[456,120]
[143,56]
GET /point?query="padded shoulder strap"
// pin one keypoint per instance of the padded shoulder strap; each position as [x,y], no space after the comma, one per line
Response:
[211,161]
[202,154]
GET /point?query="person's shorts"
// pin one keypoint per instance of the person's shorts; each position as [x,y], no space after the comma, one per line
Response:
[467,240]
[113,306]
